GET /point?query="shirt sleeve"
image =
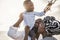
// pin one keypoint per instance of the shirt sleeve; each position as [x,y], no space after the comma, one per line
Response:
[13,32]
[39,13]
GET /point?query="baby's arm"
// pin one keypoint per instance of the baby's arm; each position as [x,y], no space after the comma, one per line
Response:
[13,30]
[19,21]
[49,5]
[45,10]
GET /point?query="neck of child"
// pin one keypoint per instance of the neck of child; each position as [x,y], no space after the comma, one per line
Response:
[29,11]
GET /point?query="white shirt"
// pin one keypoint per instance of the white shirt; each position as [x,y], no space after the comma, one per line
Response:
[29,18]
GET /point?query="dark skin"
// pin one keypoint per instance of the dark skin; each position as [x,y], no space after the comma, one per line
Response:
[29,8]
[41,29]
[19,20]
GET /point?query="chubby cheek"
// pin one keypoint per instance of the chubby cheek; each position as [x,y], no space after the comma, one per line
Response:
[31,7]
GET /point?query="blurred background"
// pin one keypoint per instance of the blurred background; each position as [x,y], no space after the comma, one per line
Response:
[10,10]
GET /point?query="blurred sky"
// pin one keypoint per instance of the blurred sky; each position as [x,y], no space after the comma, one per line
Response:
[10,10]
